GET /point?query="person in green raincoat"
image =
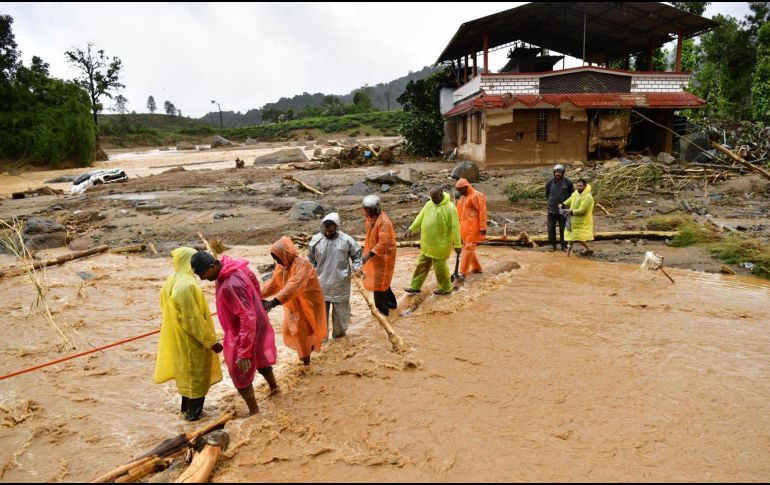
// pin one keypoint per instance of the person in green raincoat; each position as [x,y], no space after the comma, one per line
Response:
[439,228]
[188,346]
[580,227]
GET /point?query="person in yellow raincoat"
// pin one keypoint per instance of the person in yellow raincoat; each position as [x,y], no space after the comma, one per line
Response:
[188,346]
[439,229]
[580,217]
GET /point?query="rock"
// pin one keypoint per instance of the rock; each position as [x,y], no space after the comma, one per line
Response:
[666,207]
[383,178]
[328,208]
[332,152]
[86,275]
[350,141]
[384,188]
[385,155]
[280,204]
[185,145]
[288,155]
[251,141]
[309,147]
[646,159]
[408,176]
[665,158]
[80,244]
[219,141]
[716,197]
[685,206]
[625,161]
[306,210]
[240,163]
[466,170]
[62,179]
[317,152]
[163,149]
[43,234]
[321,141]
[359,188]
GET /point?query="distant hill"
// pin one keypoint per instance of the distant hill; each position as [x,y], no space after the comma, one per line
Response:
[378,92]
[162,122]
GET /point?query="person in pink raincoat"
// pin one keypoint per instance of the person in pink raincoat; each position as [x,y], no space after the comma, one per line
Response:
[249,344]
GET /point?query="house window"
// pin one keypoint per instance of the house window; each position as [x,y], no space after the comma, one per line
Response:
[542,125]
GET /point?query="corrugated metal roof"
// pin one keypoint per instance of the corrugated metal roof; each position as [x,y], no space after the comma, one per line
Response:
[613,29]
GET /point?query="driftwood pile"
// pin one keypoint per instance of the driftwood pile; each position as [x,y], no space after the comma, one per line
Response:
[360,155]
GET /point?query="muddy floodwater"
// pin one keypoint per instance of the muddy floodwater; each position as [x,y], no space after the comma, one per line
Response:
[562,370]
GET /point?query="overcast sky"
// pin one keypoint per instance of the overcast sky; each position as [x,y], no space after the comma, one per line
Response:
[248,54]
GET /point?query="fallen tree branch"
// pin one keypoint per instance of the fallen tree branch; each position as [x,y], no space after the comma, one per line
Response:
[6,273]
[525,240]
[740,160]
[303,184]
[134,248]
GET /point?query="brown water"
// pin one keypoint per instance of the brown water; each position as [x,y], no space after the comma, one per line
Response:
[563,370]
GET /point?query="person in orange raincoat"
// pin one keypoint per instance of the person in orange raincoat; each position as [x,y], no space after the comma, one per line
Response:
[379,254]
[472,211]
[295,285]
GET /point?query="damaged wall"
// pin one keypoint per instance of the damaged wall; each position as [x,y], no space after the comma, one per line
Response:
[471,145]
[512,136]
[608,132]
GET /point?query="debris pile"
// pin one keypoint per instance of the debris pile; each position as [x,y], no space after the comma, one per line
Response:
[358,155]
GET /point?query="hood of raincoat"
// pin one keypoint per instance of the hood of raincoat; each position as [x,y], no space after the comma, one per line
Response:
[444,201]
[230,266]
[464,183]
[182,257]
[334,217]
[587,190]
[285,250]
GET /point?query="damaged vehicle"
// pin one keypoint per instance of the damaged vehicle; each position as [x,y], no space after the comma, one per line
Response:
[96,177]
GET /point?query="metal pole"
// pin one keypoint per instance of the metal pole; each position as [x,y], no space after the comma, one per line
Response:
[584,36]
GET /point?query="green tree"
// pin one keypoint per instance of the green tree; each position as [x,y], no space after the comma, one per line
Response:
[696,8]
[169,108]
[362,100]
[120,104]
[99,75]
[151,106]
[424,128]
[9,54]
[760,89]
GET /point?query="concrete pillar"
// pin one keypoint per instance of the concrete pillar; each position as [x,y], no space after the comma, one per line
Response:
[679,39]
[485,43]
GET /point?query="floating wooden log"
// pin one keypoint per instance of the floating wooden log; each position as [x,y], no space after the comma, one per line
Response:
[395,340]
[6,273]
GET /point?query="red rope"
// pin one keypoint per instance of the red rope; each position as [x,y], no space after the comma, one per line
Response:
[75,356]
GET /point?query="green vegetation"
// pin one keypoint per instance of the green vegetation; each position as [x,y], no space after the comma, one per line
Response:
[516,192]
[423,129]
[43,120]
[739,249]
[732,249]
[377,123]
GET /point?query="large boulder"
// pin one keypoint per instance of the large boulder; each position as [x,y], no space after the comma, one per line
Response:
[288,155]
[318,151]
[306,210]
[332,152]
[43,234]
[359,188]
[383,178]
[185,145]
[466,170]
[219,142]
[251,141]
[408,176]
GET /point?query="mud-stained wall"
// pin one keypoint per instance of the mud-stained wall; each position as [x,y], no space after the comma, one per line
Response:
[511,137]
[469,149]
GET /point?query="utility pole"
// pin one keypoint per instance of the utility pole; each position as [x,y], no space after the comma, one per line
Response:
[387,98]
[221,125]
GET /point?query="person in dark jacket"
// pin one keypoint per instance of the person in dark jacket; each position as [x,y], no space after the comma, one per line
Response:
[557,190]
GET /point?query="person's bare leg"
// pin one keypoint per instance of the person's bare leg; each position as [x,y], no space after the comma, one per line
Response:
[270,378]
[247,393]
[569,250]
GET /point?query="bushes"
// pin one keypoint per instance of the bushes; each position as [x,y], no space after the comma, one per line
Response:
[516,192]
[383,121]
